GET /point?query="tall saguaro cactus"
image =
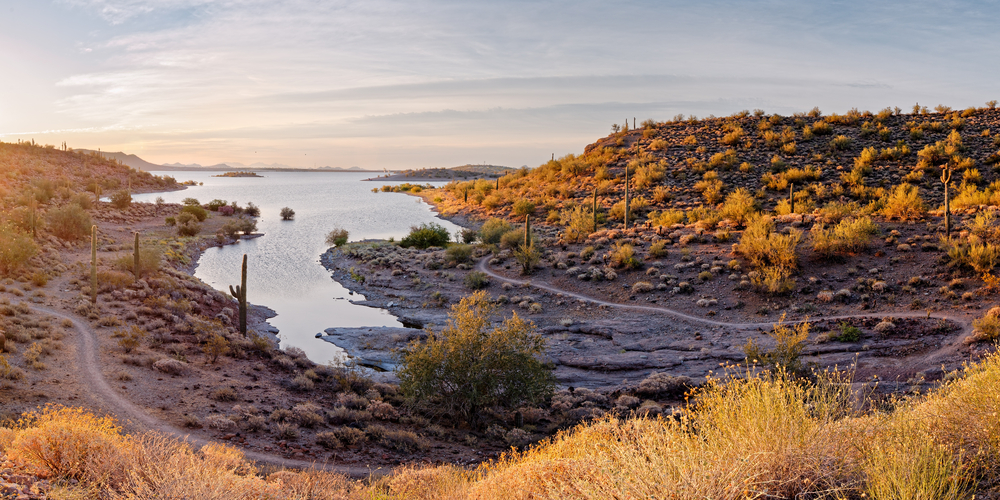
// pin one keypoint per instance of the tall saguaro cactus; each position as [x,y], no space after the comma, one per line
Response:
[135,257]
[527,231]
[595,209]
[791,198]
[945,179]
[240,292]
[626,196]
[93,264]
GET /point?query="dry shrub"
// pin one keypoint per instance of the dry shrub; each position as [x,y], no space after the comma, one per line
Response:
[769,434]
[904,203]
[171,366]
[848,236]
[71,443]
[623,255]
[987,327]
[765,248]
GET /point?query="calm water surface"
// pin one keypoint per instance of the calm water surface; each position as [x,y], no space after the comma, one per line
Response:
[283,268]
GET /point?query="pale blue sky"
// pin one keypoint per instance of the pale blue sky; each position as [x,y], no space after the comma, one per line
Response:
[387,84]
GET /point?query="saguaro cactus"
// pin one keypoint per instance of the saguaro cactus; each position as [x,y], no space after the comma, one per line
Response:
[626,196]
[240,292]
[595,209]
[135,257]
[93,264]
[527,231]
[945,179]
[791,198]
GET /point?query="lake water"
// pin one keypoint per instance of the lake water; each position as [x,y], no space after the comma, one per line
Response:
[283,268]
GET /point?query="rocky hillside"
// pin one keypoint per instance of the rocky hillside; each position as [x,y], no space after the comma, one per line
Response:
[683,164]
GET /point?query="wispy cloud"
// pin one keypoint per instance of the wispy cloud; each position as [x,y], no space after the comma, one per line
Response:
[219,78]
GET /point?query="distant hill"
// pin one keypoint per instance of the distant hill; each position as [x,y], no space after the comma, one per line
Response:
[127,159]
[492,170]
[453,173]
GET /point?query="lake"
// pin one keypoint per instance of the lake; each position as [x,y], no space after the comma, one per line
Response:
[283,268]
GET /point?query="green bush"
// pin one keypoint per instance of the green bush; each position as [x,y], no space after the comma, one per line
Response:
[189,229]
[70,222]
[492,230]
[658,249]
[458,253]
[523,207]
[16,248]
[848,333]
[185,218]
[471,366]
[149,261]
[121,199]
[527,256]
[468,235]
[337,237]
[199,213]
[426,235]
[666,218]
[623,255]
[477,280]
[579,223]
[190,202]
[514,238]
[216,204]
[170,221]
[246,225]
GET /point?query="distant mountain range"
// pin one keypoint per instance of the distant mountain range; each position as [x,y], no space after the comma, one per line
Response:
[140,164]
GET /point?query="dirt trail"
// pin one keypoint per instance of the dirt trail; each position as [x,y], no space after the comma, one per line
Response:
[929,358]
[123,409]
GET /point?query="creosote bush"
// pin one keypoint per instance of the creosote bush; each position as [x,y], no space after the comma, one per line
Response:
[470,366]
[426,235]
[69,223]
[847,236]
[493,229]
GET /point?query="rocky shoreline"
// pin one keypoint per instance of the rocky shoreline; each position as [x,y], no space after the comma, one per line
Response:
[608,347]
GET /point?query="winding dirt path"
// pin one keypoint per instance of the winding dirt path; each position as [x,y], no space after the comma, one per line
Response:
[926,358]
[123,409]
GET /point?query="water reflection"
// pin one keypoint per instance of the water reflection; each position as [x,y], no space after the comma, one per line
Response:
[284,272]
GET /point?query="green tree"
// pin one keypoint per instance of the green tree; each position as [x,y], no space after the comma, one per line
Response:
[473,364]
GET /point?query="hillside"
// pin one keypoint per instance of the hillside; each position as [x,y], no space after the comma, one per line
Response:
[700,352]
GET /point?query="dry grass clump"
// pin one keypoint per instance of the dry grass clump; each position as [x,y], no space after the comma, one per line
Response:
[754,436]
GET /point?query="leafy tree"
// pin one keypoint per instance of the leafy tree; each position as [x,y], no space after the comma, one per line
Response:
[287,213]
[473,364]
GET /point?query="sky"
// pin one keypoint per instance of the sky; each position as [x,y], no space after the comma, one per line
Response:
[436,83]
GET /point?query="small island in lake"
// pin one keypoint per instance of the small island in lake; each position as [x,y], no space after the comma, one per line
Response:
[239,174]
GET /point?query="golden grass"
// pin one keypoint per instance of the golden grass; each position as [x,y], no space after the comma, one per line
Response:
[744,436]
